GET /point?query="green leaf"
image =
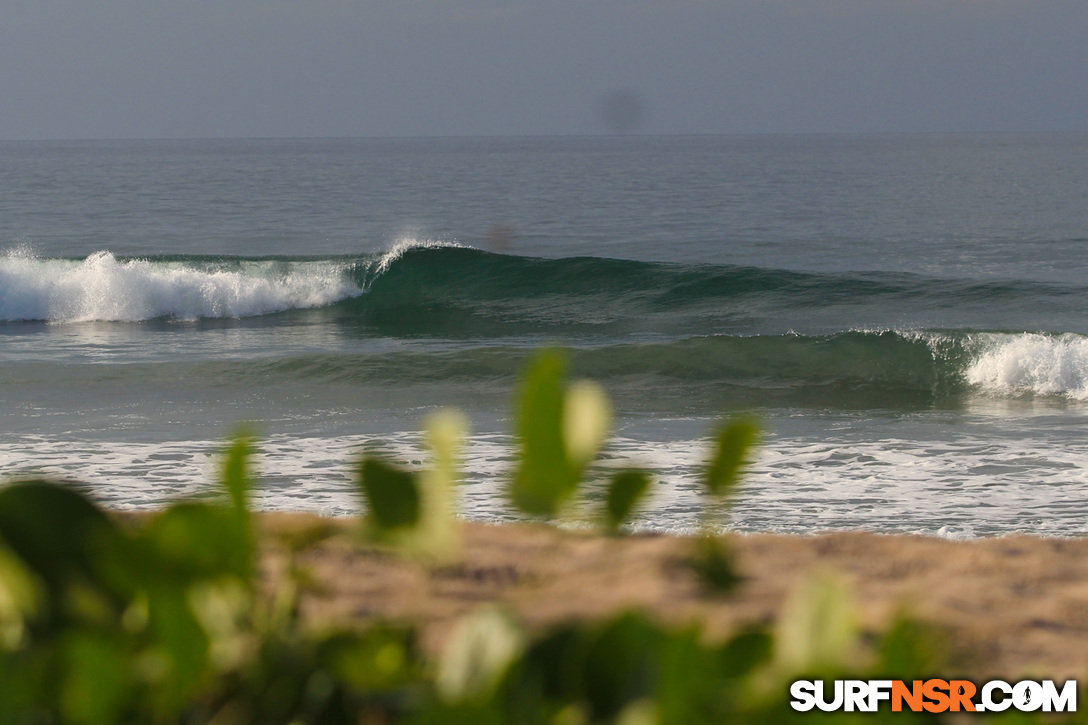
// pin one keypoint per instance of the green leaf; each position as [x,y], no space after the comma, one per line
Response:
[625,490]
[713,564]
[732,443]
[184,551]
[544,478]
[549,671]
[97,679]
[621,665]
[391,494]
[689,682]
[414,511]
[560,429]
[817,630]
[381,658]
[180,640]
[438,534]
[587,416]
[236,478]
[20,598]
[910,646]
[62,537]
[479,651]
[746,651]
[193,540]
[238,482]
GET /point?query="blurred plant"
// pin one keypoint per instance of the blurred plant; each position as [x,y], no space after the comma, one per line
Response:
[414,511]
[732,447]
[479,652]
[560,429]
[712,560]
[168,618]
[625,491]
[104,621]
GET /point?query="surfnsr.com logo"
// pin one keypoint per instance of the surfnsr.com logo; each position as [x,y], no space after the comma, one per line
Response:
[933,695]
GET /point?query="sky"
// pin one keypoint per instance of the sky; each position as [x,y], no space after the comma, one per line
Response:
[78,69]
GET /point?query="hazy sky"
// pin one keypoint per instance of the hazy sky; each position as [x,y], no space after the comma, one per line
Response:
[193,68]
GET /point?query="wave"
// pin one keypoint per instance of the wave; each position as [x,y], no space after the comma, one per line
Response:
[104,288]
[856,369]
[421,286]
[1032,364]
[859,366]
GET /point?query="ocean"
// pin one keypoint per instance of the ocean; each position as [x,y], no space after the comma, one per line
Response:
[907,316]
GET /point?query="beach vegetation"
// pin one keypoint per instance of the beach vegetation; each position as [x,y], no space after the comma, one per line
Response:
[413,510]
[560,428]
[626,489]
[173,618]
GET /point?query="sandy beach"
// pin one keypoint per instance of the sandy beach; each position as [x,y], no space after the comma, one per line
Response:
[1009,607]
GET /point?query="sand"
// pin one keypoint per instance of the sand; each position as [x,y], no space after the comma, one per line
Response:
[1009,607]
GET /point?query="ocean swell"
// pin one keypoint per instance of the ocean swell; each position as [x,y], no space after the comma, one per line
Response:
[879,367]
[684,315]
[425,285]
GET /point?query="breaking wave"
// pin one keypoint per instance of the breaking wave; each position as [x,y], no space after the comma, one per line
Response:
[104,288]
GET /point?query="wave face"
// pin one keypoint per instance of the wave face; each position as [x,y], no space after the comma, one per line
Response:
[851,368]
[921,362]
[463,290]
[715,327]
[426,286]
[854,370]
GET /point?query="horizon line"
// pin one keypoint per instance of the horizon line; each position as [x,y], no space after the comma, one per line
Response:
[437,137]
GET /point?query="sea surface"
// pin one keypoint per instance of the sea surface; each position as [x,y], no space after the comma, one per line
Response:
[906,315]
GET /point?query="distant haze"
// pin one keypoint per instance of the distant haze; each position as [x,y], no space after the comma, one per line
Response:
[252,68]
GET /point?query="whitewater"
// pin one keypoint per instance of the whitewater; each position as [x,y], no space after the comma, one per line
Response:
[916,349]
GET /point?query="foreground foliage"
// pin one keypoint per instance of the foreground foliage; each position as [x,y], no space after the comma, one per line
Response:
[166,619]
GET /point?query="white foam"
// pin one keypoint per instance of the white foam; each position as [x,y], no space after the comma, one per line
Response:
[986,480]
[103,288]
[1031,363]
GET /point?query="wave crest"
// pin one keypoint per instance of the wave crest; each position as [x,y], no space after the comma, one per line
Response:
[1032,364]
[399,249]
[103,288]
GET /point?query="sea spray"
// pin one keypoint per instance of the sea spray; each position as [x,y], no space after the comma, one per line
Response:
[374,268]
[1032,363]
[104,288]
